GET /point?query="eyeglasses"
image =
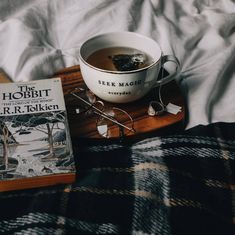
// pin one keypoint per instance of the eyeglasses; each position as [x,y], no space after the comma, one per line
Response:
[111,122]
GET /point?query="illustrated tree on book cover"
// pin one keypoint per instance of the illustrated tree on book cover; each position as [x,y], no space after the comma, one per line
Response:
[6,138]
[53,127]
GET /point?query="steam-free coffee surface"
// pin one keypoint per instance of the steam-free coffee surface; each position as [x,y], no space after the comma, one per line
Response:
[119,59]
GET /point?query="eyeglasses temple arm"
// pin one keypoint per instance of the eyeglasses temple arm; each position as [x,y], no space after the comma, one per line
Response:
[102,114]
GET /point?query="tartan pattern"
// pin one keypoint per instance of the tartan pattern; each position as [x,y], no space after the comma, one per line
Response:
[178,184]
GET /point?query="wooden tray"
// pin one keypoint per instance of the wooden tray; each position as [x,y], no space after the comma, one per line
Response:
[143,123]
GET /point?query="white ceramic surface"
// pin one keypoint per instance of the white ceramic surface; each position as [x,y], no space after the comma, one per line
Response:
[123,86]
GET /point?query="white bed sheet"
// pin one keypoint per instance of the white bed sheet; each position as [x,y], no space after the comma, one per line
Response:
[38,37]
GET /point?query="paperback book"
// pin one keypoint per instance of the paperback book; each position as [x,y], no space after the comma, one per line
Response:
[35,143]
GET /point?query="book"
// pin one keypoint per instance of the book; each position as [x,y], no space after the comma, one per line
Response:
[35,143]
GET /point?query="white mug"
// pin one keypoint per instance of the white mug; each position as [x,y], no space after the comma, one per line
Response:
[124,86]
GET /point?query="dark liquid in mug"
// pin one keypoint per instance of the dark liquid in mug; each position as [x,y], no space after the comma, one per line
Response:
[119,59]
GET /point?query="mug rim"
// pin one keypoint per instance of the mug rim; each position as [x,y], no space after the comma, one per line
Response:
[119,72]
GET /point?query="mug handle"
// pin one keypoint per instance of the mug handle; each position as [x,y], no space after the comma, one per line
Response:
[170,77]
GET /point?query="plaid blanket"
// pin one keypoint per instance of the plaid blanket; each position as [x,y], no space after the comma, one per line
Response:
[174,184]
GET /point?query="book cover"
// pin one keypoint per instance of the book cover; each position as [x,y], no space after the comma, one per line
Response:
[35,143]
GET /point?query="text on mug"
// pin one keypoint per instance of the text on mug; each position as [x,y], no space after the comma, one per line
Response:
[120,84]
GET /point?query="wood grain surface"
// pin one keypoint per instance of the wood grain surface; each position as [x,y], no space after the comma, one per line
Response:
[85,127]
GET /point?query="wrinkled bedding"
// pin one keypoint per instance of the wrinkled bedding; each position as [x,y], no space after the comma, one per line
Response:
[38,37]
[172,184]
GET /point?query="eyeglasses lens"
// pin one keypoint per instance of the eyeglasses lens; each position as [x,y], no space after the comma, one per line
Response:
[110,129]
[85,100]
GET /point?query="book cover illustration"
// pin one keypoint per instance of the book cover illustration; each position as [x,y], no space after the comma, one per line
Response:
[34,131]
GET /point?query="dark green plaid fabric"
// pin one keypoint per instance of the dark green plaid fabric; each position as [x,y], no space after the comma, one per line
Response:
[178,184]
